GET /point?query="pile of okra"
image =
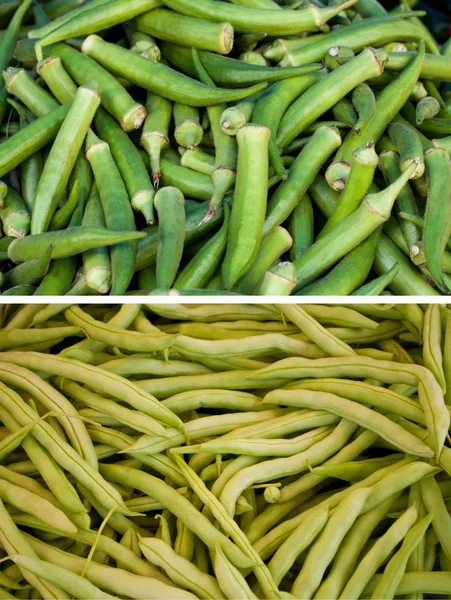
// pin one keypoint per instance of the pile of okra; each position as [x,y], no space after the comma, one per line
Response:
[256,147]
[175,452]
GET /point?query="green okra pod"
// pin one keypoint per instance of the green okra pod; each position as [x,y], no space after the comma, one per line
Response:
[271,249]
[301,174]
[29,272]
[187,31]
[245,19]
[20,84]
[388,104]
[274,102]
[14,215]
[159,78]
[427,108]
[405,202]
[364,103]
[301,227]
[68,143]
[249,203]
[96,261]
[188,130]
[323,95]
[99,17]
[437,217]
[58,81]
[409,147]
[68,242]
[224,172]
[117,210]
[198,272]
[130,164]
[115,99]
[155,133]
[366,33]
[62,217]
[229,72]
[30,139]
[169,203]
[374,210]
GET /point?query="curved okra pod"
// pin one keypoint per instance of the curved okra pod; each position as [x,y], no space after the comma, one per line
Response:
[194,33]
[198,272]
[388,104]
[301,223]
[249,203]
[14,215]
[405,202]
[364,103]
[188,130]
[62,156]
[271,248]
[98,18]
[245,19]
[130,164]
[367,33]
[29,272]
[409,147]
[279,280]
[157,77]
[273,103]
[373,211]
[155,132]
[437,218]
[323,95]
[301,174]
[115,99]
[378,285]
[227,71]
[224,172]
[30,139]
[117,210]
[96,262]
[62,217]
[427,108]
[169,203]
[62,18]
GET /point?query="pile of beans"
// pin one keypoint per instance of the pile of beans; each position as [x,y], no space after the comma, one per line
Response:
[225,451]
[255,147]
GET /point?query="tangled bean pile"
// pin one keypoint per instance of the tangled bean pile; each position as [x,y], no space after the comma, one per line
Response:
[225,451]
[255,147]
